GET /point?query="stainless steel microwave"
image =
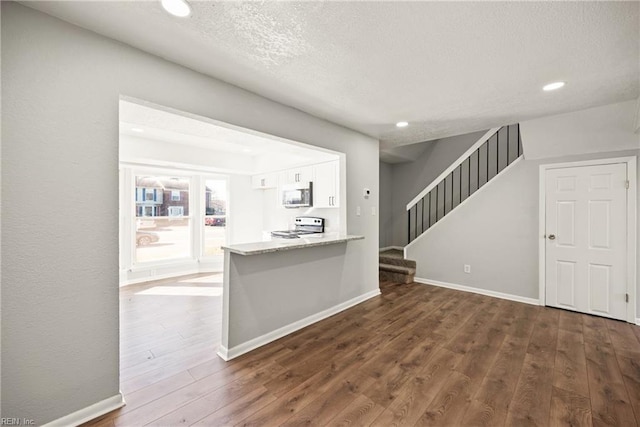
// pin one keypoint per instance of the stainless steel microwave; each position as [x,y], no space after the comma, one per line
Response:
[298,195]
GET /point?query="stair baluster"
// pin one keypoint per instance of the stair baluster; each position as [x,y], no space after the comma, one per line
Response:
[502,151]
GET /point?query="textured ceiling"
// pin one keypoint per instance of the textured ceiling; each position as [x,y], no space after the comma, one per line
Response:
[446,67]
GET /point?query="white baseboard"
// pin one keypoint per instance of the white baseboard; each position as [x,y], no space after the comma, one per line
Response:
[638,321]
[223,352]
[89,413]
[486,292]
[399,248]
[231,353]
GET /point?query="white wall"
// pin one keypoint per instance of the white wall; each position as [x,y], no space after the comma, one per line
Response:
[496,230]
[61,88]
[245,211]
[273,161]
[137,149]
[160,153]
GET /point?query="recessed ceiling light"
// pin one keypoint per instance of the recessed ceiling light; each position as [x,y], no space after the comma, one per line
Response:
[139,130]
[179,8]
[553,86]
[246,150]
[402,124]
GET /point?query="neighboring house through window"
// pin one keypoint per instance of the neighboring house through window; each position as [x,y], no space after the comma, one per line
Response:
[162,211]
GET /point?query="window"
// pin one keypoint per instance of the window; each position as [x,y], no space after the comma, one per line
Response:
[144,194]
[215,216]
[176,210]
[163,220]
[167,234]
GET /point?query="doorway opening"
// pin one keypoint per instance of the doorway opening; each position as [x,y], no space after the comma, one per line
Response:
[188,187]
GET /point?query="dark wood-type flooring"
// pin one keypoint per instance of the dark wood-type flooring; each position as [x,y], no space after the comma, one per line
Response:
[416,355]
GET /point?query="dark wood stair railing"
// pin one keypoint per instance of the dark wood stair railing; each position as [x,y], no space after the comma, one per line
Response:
[497,152]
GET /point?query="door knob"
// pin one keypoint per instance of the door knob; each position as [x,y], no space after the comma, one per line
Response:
[552,237]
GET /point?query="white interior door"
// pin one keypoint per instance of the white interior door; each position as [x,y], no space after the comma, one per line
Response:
[586,239]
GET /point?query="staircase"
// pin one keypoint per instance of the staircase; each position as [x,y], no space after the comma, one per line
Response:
[486,159]
[492,154]
[394,268]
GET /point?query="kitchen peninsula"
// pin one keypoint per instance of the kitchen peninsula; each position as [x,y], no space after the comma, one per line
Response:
[276,287]
[276,245]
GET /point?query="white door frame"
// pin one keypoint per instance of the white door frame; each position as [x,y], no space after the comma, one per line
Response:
[631,226]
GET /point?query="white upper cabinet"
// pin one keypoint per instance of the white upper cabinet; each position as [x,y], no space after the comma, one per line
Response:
[325,177]
[326,185]
[264,181]
[301,174]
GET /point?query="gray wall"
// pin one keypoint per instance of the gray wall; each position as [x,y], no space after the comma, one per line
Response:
[0,229]
[259,286]
[496,232]
[489,159]
[386,205]
[61,87]
[601,129]
[409,179]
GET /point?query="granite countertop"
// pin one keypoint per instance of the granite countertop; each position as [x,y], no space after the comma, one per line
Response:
[277,245]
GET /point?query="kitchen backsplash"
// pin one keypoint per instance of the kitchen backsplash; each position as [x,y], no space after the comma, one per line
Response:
[276,217]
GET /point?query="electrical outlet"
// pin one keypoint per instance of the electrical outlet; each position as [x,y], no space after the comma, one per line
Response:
[467,268]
